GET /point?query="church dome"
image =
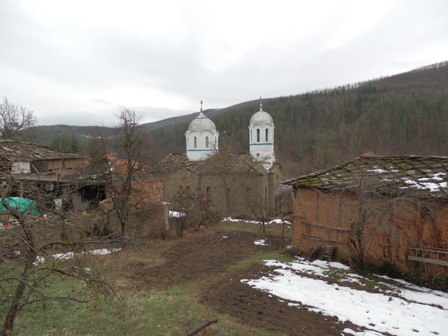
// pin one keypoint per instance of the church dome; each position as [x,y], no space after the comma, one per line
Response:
[261,117]
[202,123]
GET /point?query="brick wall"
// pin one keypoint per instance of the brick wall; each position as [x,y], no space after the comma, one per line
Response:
[393,228]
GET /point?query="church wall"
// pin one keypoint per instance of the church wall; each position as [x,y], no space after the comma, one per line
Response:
[263,186]
[230,191]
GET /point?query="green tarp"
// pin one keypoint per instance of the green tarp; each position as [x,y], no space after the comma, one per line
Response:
[23,204]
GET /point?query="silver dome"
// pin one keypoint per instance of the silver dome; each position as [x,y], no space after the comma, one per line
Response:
[202,123]
[261,117]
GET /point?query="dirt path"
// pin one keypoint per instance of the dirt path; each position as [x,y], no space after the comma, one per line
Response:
[207,256]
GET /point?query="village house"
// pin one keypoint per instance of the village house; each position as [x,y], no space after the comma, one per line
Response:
[28,169]
[234,183]
[146,190]
[378,209]
[65,181]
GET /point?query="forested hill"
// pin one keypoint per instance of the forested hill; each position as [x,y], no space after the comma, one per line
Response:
[398,115]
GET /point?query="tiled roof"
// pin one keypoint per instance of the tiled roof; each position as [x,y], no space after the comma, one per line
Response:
[423,177]
[12,150]
[236,163]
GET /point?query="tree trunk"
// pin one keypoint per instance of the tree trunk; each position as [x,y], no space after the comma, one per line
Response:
[16,306]
[355,241]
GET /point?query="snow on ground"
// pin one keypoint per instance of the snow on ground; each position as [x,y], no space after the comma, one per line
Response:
[261,242]
[176,213]
[274,221]
[69,255]
[399,309]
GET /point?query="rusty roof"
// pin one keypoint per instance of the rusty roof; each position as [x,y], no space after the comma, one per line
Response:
[423,177]
[235,163]
[12,150]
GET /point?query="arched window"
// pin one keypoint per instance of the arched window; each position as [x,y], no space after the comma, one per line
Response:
[258,135]
[267,135]
[206,142]
[195,142]
[265,196]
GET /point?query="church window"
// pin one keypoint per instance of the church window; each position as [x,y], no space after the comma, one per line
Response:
[265,196]
[206,142]
[267,135]
[195,142]
[258,135]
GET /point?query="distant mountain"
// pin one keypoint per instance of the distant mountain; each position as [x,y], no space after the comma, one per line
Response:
[401,114]
[397,115]
[170,122]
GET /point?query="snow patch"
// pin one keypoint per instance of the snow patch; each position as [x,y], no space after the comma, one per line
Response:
[69,255]
[261,242]
[176,214]
[274,221]
[412,310]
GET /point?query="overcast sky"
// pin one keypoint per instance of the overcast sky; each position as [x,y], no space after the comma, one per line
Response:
[77,62]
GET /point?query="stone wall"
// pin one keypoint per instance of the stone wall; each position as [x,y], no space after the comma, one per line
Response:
[262,185]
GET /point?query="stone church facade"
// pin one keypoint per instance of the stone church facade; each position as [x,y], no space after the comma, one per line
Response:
[236,184]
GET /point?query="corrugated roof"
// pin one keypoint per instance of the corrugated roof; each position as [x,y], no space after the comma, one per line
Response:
[236,163]
[13,150]
[423,177]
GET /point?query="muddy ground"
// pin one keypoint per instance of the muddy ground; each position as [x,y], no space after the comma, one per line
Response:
[209,255]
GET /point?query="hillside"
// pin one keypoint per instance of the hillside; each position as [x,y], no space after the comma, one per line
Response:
[397,115]
[402,114]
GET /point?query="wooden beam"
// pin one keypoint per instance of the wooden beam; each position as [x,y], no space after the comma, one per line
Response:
[325,239]
[326,226]
[428,249]
[428,260]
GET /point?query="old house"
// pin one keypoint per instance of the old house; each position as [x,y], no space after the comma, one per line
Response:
[378,209]
[28,169]
[146,190]
[28,159]
[234,183]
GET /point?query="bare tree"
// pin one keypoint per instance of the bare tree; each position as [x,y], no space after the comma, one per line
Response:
[193,208]
[130,148]
[258,205]
[32,255]
[14,119]
[375,210]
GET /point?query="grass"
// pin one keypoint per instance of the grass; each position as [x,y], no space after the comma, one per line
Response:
[133,311]
[171,312]
[258,258]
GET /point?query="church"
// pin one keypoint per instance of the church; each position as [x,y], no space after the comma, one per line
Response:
[236,184]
